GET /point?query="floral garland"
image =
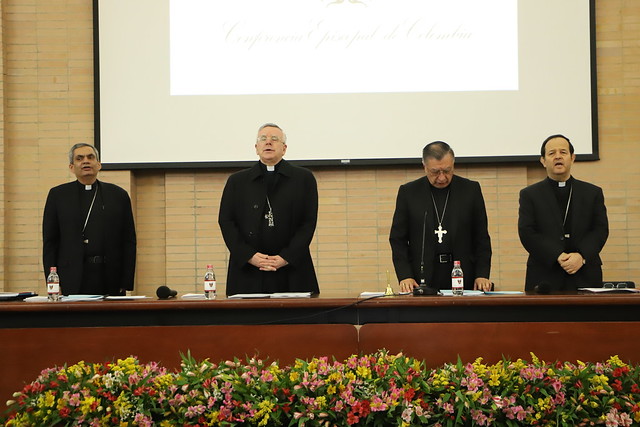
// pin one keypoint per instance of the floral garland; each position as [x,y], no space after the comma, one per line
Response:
[380,389]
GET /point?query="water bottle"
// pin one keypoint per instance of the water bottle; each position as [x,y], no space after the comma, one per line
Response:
[457,283]
[210,283]
[53,285]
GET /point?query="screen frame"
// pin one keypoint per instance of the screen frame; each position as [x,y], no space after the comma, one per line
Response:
[594,156]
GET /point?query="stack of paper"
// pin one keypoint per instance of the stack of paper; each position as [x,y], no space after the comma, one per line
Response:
[66,298]
[466,293]
[193,296]
[371,294]
[73,298]
[291,295]
[273,295]
[14,296]
[610,290]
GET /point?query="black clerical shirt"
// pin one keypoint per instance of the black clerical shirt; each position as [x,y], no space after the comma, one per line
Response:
[563,198]
[93,238]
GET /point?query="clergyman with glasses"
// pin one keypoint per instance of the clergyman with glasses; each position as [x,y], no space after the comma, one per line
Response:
[268,215]
[440,218]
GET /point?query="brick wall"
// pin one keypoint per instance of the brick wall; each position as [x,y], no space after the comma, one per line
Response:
[48,105]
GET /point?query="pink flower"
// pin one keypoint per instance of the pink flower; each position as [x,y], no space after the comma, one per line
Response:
[142,421]
[479,417]
[614,419]
[532,373]
[473,382]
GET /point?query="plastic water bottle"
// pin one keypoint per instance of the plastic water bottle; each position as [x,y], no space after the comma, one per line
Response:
[210,283]
[53,285]
[457,283]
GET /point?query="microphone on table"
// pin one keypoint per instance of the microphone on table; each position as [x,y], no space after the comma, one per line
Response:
[542,288]
[164,292]
[424,289]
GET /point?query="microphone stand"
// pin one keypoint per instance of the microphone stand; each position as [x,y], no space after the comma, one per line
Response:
[424,289]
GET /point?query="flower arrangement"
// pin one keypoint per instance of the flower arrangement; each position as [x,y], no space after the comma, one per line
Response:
[379,389]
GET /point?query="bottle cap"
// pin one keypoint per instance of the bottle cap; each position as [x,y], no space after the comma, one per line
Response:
[209,265]
[53,269]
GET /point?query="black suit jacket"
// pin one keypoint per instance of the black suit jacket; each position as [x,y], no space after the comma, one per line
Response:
[295,207]
[62,244]
[541,233]
[467,228]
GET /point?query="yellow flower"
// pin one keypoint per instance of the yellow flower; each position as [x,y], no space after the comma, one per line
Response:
[534,359]
[479,367]
[599,381]
[61,403]
[616,362]
[544,404]
[122,405]
[213,416]
[294,376]
[163,381]
[331,390]
[274,369]
[127,366]
[312,366]
[441,378]
[49,399]
[262,415]
[85,405]
[76,370]
[334,377]
[321,401]
[494,379]
[364,372]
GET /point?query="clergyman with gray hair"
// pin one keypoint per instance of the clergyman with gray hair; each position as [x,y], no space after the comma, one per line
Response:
[268,215]
[88,231]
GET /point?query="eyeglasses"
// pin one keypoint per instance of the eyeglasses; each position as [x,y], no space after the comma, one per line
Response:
[264,138]
[619,285]
[436,172]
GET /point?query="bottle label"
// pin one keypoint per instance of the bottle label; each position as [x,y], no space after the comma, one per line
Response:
[209,285]
[53,288]
[457,283]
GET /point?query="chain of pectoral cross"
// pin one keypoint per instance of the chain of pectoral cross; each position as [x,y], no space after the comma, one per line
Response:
[440,231]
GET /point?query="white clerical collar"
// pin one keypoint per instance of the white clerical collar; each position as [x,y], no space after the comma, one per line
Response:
[88,187]
[562,184]
[270,168]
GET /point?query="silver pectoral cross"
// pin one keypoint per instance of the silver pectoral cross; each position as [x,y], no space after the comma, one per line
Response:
[440,232]
[269,217]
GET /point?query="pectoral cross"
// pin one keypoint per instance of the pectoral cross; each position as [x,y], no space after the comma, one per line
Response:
[440,232]
[269,217]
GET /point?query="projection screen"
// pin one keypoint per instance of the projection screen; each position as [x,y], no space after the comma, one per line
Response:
[187,83]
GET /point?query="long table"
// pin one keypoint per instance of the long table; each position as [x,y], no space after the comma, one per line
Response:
[589,327]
